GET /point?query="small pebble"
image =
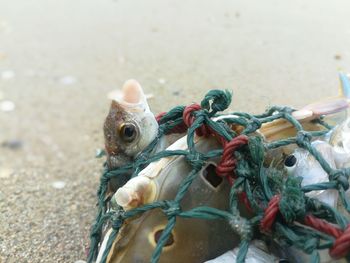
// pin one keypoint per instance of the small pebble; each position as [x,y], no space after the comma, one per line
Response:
[58,184]
[68,80]
[7,74]
[7,105]
[12,144]
[80,261]
[176,93]
[337,57]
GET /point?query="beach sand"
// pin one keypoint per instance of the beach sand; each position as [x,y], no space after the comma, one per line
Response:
[59,59]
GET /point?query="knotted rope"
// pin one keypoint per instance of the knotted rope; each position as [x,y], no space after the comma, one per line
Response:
[278,205]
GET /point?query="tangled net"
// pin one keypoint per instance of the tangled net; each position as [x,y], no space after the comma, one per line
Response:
[280,208]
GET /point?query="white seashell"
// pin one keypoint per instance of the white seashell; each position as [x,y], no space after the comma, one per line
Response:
[134,191]
[58,184]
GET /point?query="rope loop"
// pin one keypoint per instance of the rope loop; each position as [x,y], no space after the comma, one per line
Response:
[216,100]
[171,208]
[188,116]
[192,112]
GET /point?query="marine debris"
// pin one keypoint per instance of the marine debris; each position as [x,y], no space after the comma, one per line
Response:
[238,172]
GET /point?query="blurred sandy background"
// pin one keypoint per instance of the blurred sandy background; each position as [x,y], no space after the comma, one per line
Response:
[59,59]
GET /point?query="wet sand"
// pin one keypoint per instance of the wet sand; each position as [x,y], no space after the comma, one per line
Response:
[59,59]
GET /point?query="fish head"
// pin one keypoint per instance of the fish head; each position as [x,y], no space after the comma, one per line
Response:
[129,127]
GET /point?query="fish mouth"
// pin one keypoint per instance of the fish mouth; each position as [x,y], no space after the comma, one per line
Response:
[115,161]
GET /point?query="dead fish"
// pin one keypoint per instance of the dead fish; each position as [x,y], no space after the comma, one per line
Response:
[192,240]
[302,163]
[129,127]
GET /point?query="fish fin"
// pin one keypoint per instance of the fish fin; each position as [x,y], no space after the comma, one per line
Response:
[329,106]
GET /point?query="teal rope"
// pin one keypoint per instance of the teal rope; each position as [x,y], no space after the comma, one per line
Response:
[259,184]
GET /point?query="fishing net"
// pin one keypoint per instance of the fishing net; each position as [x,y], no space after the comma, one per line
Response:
[279,206]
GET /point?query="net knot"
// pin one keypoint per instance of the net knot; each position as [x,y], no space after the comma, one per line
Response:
[196,160]
[118,219]
[171,208]
[311,245]
[341,245]
[140,160]
[303,138]
[216,100]
[241,226]
[192,112]
[253,125]
[341,177]
[292,202]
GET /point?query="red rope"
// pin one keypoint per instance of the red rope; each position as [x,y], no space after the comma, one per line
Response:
[228,163]
[181,128]
[322,226]
[270,213]
[341,246]
[188,117]
[160,115]
[244,199]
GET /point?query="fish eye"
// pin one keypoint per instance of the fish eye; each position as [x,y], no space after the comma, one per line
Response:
[170,240]
[128,132]
[290,161]
[290,164]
